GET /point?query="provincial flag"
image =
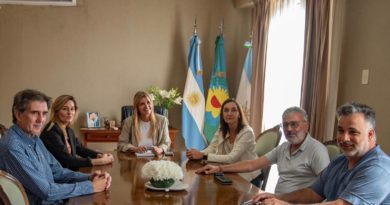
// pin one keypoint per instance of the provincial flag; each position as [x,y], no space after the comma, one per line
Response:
[193,108]
[218,90]
[244,89]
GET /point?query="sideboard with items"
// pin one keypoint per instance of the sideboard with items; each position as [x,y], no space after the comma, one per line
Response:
[112,135]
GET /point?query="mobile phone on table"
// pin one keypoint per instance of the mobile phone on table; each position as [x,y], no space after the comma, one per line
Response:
[220,178]
[168,153]
[218,174]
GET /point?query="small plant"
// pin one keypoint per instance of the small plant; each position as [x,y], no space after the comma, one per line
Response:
[165,99]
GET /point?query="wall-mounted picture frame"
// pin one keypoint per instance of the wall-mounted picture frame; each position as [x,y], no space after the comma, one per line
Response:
[41,2]
[93,119]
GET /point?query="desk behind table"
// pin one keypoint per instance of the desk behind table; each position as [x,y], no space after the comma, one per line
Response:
[129,188]
[111,135]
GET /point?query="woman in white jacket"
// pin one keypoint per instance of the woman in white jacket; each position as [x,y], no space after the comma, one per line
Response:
[144,129]
[233,142]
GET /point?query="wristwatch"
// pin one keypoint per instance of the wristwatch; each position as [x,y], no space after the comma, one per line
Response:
[204,157]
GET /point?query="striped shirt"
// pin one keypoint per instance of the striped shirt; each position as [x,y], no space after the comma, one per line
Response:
[42,176]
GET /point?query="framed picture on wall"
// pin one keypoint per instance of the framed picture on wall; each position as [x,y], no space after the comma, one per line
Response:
[93,119]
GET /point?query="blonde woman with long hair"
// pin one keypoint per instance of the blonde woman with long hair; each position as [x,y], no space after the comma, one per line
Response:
[144,130]
[62,142]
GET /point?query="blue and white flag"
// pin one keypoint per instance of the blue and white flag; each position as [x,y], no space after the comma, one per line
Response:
[193,100]
[244,89]
[218,90]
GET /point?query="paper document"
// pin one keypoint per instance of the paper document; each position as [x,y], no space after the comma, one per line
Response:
[148,153]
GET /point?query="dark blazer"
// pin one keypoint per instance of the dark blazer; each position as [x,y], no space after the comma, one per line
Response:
[54,141]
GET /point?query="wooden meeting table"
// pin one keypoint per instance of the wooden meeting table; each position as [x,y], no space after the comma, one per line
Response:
[128,187]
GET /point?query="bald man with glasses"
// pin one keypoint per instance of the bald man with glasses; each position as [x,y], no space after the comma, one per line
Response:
[299,160]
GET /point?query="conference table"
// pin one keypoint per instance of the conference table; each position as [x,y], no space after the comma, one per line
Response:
[128,187]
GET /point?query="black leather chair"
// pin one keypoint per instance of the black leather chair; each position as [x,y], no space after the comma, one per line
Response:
[127,111]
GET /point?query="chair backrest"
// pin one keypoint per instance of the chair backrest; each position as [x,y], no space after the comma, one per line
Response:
[265,142]
[333,151]
[160,110]
[12,190]
[4,200]
[3,130]
[127,111]
[268,140]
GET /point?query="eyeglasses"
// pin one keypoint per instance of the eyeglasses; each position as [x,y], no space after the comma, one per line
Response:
[293,124]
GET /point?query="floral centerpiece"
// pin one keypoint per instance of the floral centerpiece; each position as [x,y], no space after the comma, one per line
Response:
[165,99]
[162,173]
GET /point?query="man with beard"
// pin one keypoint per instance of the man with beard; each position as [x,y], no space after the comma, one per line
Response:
[300,160]
[360,176]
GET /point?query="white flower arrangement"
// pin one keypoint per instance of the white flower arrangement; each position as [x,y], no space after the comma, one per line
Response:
[162,170]
[165,99]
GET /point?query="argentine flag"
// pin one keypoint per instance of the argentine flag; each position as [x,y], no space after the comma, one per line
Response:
[218,90]
[244,89]
[193,100]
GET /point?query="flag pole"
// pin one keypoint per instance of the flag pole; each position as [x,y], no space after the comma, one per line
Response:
[221,27]
[195,27]
[248,44]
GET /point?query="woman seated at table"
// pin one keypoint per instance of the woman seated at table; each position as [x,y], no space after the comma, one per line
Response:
[144,130]
[233,142]
[62,142]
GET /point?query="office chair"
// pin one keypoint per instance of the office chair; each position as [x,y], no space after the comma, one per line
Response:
[12,192]
[127,111]
[333,151]
[4,200]
[265,142]
[3,130]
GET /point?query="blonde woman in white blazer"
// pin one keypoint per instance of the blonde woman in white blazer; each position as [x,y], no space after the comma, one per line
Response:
[144,129]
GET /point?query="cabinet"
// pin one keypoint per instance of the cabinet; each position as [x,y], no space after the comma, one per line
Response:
[109,135]
[99,135]
[172,135]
